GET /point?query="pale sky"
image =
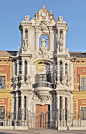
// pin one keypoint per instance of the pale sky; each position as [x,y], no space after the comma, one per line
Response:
[12,12]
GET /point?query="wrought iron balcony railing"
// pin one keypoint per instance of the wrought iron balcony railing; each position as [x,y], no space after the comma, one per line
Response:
[82,88]
[3,86]
[43,84]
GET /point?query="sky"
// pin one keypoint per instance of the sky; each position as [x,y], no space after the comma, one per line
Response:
[12,12]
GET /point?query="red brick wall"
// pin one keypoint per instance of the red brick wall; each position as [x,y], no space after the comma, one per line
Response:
[5,69]
[4,102]
[81,102]
[80,71]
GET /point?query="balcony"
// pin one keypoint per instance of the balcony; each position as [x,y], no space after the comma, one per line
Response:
[82,88]
[43,84]
[3,87]
[43,88]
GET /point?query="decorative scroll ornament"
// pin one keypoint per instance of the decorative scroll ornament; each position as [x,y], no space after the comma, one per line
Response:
[43,25]
[42,99]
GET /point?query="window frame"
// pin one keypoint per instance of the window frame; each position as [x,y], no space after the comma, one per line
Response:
[83,80]
[3,80]
[80,78]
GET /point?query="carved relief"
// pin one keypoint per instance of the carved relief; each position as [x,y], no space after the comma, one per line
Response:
[43,25]
[41,99]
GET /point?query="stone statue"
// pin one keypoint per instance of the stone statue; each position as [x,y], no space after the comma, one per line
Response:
[43,41]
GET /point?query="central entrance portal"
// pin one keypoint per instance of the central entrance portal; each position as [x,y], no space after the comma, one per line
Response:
[42,116]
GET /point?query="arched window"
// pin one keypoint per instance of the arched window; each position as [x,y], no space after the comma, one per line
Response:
[26,34]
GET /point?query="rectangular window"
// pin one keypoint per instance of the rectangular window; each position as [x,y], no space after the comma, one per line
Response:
[3,79]
[83,113]
[2,112]
[83,81]
[43,77]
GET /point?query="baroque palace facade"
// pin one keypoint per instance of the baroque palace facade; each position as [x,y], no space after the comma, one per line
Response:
[48,82]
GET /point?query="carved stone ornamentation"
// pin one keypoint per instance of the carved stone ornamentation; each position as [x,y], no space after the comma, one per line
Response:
[43,25]
[45,86]
[25,49]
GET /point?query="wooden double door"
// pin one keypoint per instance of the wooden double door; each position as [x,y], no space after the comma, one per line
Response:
[42,116]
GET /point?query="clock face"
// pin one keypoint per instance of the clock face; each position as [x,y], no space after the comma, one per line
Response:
[43,14]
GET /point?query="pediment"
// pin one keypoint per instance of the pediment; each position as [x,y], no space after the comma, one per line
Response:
[44,17]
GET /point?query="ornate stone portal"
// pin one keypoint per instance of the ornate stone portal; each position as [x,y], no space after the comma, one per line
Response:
[53,84]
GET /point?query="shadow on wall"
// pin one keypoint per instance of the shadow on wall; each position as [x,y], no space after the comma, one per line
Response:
[72,132]
[7,133]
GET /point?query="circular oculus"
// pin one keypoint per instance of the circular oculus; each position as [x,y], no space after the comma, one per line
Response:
[43,14]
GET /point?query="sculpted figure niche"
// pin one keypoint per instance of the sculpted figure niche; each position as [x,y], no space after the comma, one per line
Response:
[43,41]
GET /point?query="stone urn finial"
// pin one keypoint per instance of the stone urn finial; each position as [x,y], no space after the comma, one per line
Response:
[60,18]
[27,17]
[43,6]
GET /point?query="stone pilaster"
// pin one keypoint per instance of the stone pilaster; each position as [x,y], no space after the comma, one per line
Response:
[58,34]
[13,105]
[23,33]
[22,106]
[14,68]
[68,108]
[51,68]
[37,40]
[29,38]
[51,47]
[58,111]
[68,73]
[17,105]
[63,107]
[63,72]
[58,71]
[17,67]
[23,65]
[28,68]
[64,38]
